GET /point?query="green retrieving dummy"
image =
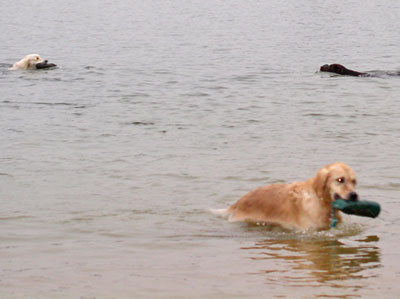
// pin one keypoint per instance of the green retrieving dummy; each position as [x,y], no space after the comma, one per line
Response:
[360,208]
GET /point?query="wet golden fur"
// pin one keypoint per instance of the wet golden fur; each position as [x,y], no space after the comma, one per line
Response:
[302,205]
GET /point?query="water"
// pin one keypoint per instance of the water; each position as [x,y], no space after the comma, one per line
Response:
[160,110]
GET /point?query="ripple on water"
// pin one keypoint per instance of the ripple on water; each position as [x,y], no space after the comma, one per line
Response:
[277,232]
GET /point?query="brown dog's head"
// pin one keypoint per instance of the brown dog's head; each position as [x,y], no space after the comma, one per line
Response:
[335,181]
[334,68]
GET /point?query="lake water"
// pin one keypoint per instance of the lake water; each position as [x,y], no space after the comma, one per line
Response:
[161,110]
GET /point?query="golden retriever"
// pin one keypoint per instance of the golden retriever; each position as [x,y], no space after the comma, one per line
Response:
[31,62]
[302,205]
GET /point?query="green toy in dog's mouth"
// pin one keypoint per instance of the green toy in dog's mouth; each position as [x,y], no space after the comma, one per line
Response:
[364,208]
[360,207]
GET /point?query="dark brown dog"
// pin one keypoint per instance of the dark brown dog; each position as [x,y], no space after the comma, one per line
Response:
[340,69]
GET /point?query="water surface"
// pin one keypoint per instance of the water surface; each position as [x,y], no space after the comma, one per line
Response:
[161,110]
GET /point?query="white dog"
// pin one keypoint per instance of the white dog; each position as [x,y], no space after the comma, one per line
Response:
[31,62]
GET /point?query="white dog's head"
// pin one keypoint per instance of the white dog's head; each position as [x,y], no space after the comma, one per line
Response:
[31,62]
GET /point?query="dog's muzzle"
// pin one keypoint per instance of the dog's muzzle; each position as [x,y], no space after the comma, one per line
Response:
[352,196]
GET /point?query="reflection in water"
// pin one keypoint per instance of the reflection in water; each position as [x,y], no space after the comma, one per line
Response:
[316,262]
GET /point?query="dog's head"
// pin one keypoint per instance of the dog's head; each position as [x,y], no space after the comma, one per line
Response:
[335,181]
[32,62]
[333,68]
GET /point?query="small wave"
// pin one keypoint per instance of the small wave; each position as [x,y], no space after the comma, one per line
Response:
[180,176]
[248,179]
[18,217]
[322,115]
[140,123]
[135,95]
[5,65]
[6,174]
[221,212]
[53,104]
[246,78]
[196,94]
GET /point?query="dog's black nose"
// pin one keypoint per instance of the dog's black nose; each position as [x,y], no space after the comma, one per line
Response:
[353,196]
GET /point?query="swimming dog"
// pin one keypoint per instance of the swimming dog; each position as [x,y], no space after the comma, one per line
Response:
[31,62]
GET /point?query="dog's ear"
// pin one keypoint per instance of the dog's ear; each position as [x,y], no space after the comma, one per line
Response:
[321,181]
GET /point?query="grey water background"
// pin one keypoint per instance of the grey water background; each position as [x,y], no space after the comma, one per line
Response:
[160,110]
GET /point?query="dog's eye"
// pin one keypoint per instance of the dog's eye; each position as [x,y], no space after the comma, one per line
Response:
[36,58]
[340,180]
